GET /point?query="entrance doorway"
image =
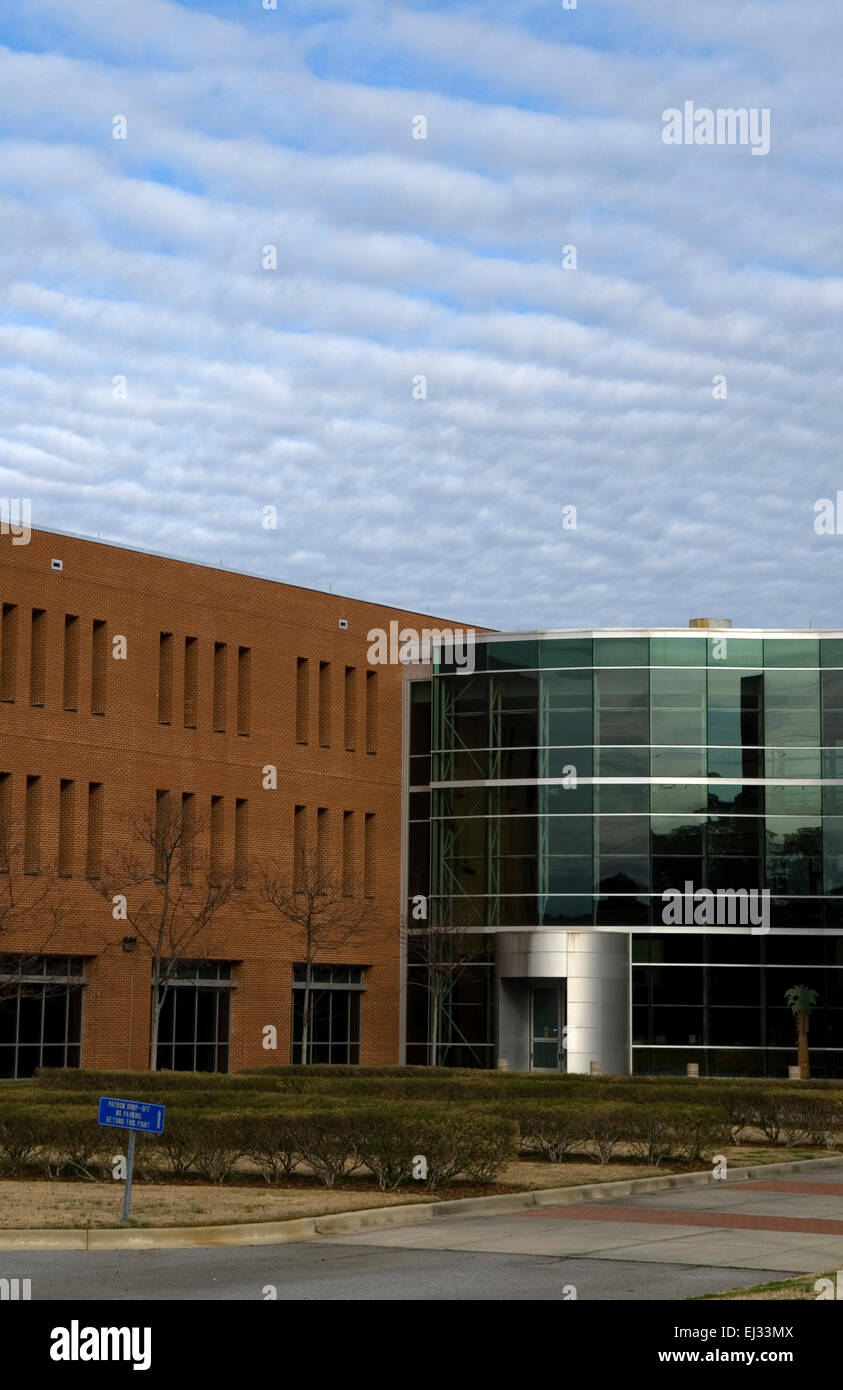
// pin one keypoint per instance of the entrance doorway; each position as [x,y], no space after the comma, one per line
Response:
[546,1028]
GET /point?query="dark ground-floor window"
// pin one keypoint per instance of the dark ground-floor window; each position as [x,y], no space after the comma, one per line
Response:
[719,1000]
[464,1008]
[194,1027]
[40,1013]
[334,1006]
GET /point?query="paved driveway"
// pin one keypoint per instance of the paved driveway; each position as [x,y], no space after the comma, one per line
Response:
[785,1225]
[663,1245]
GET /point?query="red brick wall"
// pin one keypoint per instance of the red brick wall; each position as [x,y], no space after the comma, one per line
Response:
[131,753]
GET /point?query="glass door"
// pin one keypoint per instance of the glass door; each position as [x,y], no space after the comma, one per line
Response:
[546,1027]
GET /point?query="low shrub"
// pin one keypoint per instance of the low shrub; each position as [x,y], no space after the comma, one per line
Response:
[658,1132]
[811,1119]
[607,1125]
[552,1130]
[271,1142]
[22,1132]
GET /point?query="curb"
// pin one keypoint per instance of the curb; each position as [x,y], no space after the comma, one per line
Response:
[380,1218]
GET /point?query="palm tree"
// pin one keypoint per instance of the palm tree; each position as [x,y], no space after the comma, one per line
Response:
[802,1000]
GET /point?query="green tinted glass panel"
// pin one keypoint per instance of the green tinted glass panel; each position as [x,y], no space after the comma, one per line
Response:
[622,762]
[678,689]
[619,798]
[677,651]
[565,651]
[677,763]
[794,799]
[734,707]
[676,835]
[791,651]
[623,835]
[724,650]
[736,799]
[621,651]
[832,704]
[571,726]
[792,708]
[793,762]
[574,801]
[678,798]
[462,801]
[567,911]
[622,706]
[831,651]
[678,700]
[568,834]
[500,655]
[568,874]
[560,761]
[735,835]
[566,690]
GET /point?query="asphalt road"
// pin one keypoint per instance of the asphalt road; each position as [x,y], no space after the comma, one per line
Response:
[323,1270]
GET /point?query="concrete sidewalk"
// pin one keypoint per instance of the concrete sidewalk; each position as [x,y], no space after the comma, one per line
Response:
[764,1224]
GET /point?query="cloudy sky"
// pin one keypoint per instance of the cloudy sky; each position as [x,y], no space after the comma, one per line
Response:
[397,258]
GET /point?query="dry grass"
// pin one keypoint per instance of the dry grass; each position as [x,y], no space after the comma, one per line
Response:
[59,1205]
[800,1289]
[31,1204]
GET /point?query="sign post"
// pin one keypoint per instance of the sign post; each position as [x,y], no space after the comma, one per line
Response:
[132,1116]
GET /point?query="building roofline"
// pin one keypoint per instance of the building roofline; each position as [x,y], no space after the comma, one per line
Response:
[240,574]
[712,633]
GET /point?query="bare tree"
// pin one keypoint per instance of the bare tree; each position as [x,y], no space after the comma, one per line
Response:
[314,902]
[168,895]
[32,907]
[444,954]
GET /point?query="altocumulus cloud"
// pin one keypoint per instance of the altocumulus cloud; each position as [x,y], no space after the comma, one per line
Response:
[547,384]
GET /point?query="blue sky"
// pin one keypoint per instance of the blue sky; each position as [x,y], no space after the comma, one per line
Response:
[444,258]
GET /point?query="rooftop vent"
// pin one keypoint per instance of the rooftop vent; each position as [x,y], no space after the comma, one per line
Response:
[710,622]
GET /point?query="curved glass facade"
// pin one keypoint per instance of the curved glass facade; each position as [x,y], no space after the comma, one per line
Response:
[576,779]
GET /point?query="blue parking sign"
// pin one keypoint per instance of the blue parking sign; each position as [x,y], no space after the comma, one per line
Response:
[131,1114]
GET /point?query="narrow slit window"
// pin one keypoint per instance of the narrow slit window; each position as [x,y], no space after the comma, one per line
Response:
[302,679]
[348,854]
[5,818]
[32,827]
[71,662]
[371,711]
[163,838]
[191,680]
[369,856]
[165,678]
[216,838]
[244,690]
[38,657]
[350,708]
[9,652]
[241,841]
[220,662]
[99,665]
[321,847]
[93,848]
[299,837]
[324,704]
[66,810]
[187,834]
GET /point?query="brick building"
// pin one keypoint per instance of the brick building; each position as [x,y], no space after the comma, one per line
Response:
[125,677]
